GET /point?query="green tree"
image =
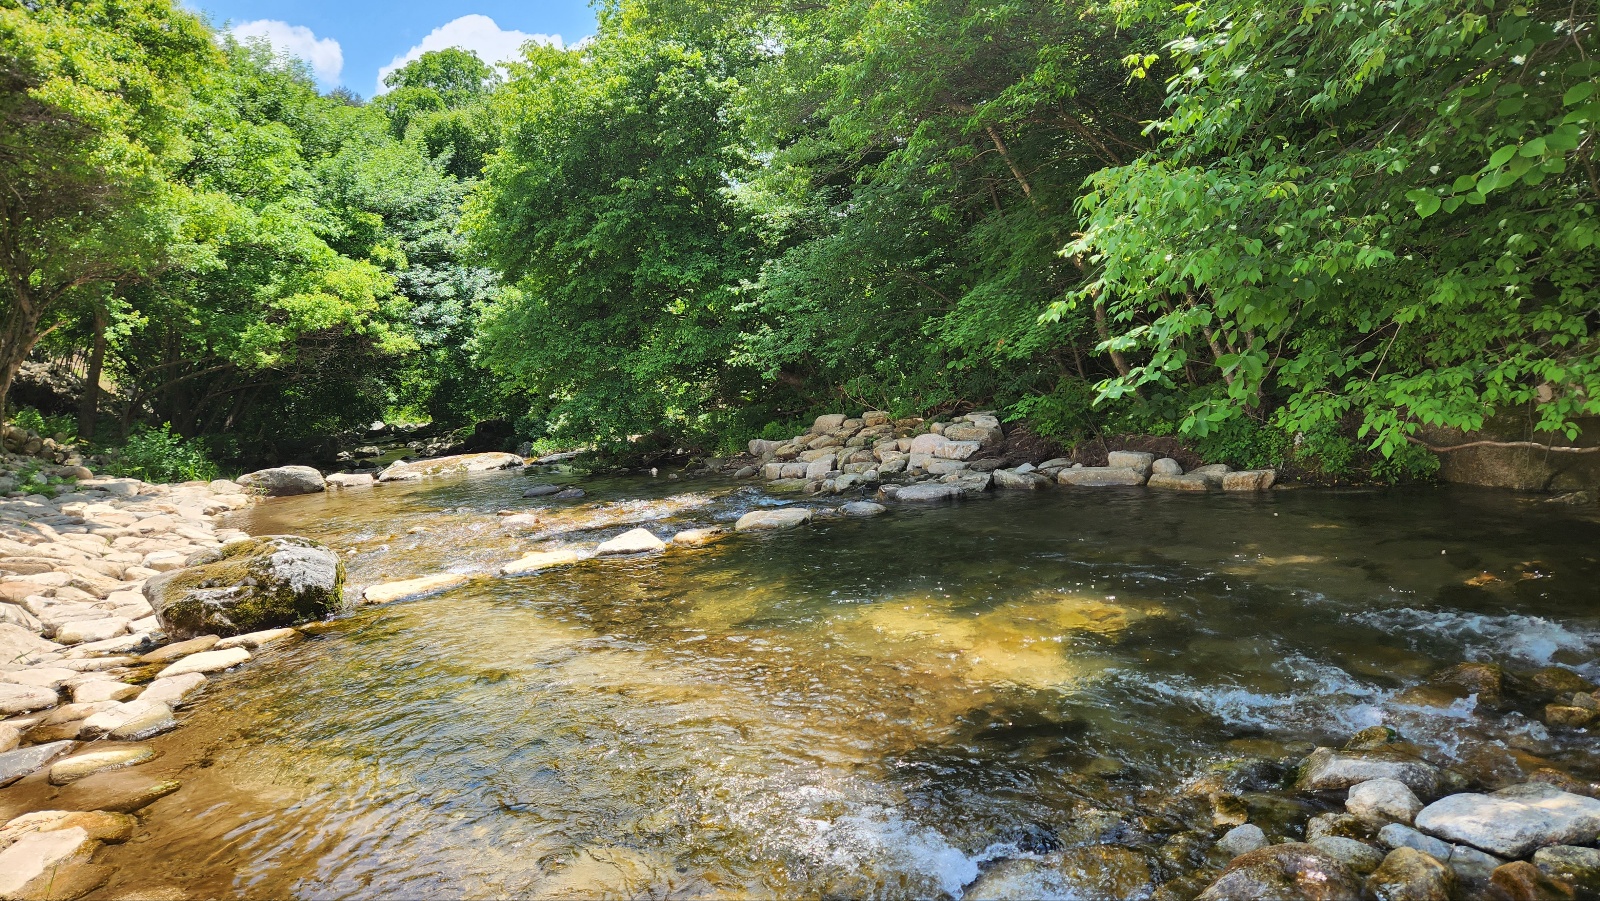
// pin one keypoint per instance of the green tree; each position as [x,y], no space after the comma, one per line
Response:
[1383,213]
[441,100]
[609,210]
[93,100]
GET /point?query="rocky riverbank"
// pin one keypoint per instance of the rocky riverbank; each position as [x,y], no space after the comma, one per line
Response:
[108,629]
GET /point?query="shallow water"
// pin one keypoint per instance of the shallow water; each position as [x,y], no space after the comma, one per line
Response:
[860,708]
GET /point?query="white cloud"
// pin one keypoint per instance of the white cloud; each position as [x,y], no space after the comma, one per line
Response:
[324,55]
[477,33]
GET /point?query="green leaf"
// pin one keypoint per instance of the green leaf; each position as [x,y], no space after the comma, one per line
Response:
[1533,148]
[1577,94]
[1500,156]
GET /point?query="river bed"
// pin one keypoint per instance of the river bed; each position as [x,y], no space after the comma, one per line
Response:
[860,708]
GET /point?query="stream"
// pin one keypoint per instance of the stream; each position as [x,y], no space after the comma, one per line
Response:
[861,708]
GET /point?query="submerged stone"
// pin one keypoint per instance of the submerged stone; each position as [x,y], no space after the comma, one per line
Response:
[407,589]
[1287,872]
[773,520]
[1407,874]
[74,768]
[539,560]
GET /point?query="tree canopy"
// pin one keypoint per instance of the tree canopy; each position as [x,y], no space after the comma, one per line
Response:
[1321,234]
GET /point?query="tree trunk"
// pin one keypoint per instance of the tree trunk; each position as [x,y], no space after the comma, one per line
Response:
[20,331]
[89,405]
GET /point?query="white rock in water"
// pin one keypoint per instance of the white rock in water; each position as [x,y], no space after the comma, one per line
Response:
[1515,821]
[132,721]
[698,537]
[539,560]
[173,690]
[633,541]
[206,662]
[1383,801]
[78,766]
[351,480]
[1166,466]
[863,508]
[253,640]
[412,588]
[773,520]
[51,865]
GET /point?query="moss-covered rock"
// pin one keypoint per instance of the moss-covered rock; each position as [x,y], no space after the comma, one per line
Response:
[263,583]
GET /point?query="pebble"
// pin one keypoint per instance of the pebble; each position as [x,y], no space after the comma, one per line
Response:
[206,662]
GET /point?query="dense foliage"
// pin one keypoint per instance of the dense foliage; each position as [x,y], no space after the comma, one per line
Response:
[1315,234]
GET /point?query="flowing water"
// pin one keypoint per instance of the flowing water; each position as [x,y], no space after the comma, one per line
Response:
[861,708]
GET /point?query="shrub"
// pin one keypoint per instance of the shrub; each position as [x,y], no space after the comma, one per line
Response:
[158,455]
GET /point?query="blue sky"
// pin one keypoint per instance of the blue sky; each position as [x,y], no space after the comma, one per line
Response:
[352,42]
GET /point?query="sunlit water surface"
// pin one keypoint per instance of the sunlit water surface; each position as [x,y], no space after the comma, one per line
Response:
[859,708]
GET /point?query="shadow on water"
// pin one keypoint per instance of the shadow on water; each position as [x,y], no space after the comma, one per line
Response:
[860,708]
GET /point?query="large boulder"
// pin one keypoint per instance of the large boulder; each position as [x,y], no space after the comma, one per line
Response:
[1515,821]
[1100,477]
[443,466]
[284,481]
[247,586]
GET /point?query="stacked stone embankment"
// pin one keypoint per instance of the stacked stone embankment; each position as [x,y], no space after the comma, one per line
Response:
[915,460]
